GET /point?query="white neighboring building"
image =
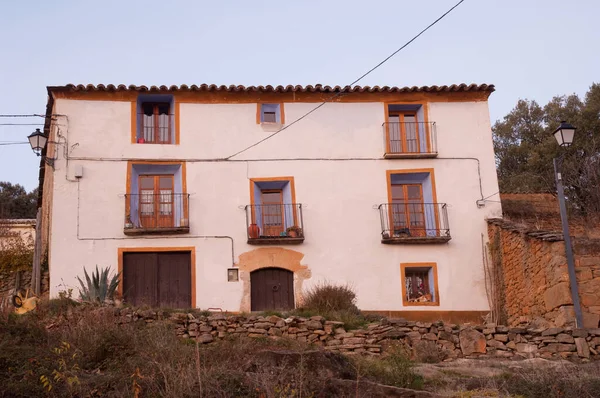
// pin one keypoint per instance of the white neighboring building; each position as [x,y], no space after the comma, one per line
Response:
[382,188]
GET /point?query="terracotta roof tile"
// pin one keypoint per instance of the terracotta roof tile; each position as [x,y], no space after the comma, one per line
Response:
[279,89]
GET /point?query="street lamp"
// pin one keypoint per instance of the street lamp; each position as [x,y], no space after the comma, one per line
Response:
[564,135]
[38,141]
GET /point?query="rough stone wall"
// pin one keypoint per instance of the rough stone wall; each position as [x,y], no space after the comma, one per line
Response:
[8,284]
[443,340]
[587,267]
[535,280]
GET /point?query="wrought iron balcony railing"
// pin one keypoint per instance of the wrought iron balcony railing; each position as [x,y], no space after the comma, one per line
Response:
[161,213]
[155,129]
[410,139]
[275,224]
[414,223]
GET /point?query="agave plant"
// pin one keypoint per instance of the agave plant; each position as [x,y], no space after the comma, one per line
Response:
[98,288]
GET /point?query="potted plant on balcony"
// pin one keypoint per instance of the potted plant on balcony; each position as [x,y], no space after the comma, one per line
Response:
[128,223]
[294,231]
[253,231]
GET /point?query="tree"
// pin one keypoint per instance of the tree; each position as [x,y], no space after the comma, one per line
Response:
[525,147]
[16,250]
[15,202]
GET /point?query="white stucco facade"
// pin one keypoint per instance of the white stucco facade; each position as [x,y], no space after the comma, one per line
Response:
[335,156]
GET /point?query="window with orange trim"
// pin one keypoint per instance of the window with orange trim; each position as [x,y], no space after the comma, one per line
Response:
[156,201]
[408,209]
[270,114]
[419,284]
[156,123]
[404,135]
[155,119]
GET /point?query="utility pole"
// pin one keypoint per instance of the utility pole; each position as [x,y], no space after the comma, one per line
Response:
[567,238]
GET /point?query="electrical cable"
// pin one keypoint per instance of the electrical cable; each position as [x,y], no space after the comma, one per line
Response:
[32,115]
[349,85]
[13,143]
[151,237]
[21,124]
[487,197]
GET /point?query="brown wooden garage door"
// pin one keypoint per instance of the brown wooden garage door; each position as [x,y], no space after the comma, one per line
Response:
[161,279]
[271,289]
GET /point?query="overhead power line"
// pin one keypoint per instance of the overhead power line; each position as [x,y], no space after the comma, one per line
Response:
[13,143]
[32,115]
[21,124]
[349,85]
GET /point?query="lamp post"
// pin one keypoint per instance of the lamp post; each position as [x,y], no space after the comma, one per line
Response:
[564,136]
[38,141]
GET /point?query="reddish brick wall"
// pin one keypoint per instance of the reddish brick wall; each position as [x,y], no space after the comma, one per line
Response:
[534,281]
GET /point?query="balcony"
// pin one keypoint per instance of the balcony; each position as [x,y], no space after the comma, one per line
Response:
[156,129]
[275,224]
[410,140]
[406,223]
[160,214]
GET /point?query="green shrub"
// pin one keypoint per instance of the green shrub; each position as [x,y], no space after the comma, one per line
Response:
[326,298]
[394,369]
[98,288]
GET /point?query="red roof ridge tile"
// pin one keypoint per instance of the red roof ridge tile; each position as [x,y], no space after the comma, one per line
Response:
[463,87]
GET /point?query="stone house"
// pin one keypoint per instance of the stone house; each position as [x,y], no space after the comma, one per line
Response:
[237,198]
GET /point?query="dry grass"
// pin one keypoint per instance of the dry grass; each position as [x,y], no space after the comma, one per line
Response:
[548,380]
[64,350]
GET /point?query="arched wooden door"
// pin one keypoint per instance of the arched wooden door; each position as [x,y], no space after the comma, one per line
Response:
[271,289]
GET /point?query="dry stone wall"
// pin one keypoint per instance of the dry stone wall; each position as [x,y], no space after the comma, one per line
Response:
[533,276]
[443,340]
[8,285]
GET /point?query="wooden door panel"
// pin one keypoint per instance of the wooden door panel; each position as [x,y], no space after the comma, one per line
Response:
[272,212]
[156,201]
[160,279]
[174,280]
[271,289]
[140,279]
[408,210]
[147,199]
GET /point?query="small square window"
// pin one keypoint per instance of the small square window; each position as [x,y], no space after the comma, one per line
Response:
[271,113]
[419,285]
[233,275]
[269,117]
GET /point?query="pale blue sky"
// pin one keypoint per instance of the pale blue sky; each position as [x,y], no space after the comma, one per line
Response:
[529,49]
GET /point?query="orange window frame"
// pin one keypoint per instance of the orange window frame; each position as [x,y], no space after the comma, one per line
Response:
[134,121]
[158,162]
[280,203]
[290,181]
[157,198]
[259,112]
[406,203]
[424,106]
[433,284]
[402,128]
[431,173]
